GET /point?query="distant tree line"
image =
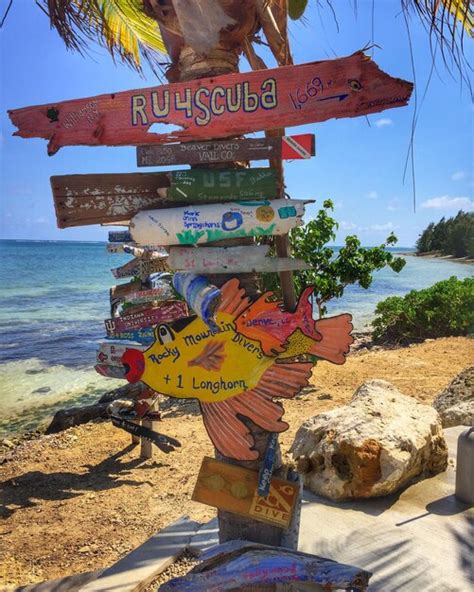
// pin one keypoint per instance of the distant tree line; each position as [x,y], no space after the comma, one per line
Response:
[454,236]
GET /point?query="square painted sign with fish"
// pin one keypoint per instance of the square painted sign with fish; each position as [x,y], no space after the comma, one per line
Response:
[255,352]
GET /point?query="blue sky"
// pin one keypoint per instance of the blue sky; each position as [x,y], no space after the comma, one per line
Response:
[359,166]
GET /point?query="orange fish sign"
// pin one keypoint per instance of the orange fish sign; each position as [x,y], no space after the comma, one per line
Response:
[229,105]
[257,352]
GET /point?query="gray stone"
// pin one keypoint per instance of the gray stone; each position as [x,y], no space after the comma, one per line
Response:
[455,403]
[372,447]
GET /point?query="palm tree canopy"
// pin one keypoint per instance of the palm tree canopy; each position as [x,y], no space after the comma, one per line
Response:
[129,28]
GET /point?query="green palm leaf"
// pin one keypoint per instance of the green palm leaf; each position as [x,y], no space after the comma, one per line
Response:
[120,25]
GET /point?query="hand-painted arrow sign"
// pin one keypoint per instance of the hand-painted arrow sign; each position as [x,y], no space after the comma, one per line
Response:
[168,311]
[217,107]
[81,200]
[201,224]
[245,259]
[227,150]
[140,268]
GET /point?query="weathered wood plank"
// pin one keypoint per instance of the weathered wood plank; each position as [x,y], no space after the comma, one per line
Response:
[82,200]
[140,268]
[166,312]
[245,259]
[235,489]
[217,107]
[199,224]
[240,149]
[136,570]
[94,199]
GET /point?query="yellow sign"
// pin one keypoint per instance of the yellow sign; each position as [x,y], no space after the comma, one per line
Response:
[234,489]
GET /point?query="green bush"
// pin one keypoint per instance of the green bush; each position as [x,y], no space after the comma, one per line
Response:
[447,308]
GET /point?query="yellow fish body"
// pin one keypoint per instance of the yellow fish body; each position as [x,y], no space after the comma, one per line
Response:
[226,371]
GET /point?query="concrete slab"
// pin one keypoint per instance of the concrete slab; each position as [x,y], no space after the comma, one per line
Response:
[418,540]
[206,537]
[66,584]
[137,569]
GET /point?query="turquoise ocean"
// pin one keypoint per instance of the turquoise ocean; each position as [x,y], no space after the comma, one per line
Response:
[54,298]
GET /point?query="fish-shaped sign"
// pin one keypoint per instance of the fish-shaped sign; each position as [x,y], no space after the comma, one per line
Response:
[217,107]
[200,224]
[228,371]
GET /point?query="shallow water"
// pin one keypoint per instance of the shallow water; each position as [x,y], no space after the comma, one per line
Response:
[55,296]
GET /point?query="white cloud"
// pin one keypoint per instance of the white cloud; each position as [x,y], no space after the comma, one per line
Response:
[343,225]
[382,227]
[372,194]
[42,220]
[338,205]
[458,175]
[383,122]
[448,203]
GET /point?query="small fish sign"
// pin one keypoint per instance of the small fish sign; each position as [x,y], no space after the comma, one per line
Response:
[234,489]
[242,259]
[200,224]
[140,268]
[165,313]
[238,149]
[218,107]
[237,369]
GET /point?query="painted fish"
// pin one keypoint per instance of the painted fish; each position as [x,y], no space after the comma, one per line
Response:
[228,372]
[266,322]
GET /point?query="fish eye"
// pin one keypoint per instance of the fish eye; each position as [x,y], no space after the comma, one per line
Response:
[164,334]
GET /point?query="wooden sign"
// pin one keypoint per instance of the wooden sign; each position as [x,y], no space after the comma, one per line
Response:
[118,293]
[234,489]
[110,371]
[165,313]
[233,104]
[161,294]
[81,200]
[140,268]
[144,335]
[201,186]
[111,352]
[239,149]
[244,259]
[119,236]
[201,224]
[239,367]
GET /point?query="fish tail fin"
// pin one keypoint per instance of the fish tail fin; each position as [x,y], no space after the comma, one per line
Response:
[304,314]
[335,340]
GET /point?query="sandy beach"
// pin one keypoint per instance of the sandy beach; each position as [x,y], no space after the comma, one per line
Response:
[79,500]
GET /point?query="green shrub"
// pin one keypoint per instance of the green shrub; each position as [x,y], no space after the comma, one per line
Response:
[447,308]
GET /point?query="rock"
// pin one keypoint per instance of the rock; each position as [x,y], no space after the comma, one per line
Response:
[371,447]
[455,403]
[7,443]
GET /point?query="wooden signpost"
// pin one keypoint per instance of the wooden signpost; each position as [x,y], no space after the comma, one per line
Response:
[200,224]
[145,335]
[218,107]
[239,149]
[232,488]
[244,259]
[165,313]
[140,268]
[237,368]
[82,200]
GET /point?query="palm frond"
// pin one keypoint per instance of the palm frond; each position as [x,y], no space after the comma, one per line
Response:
[119,25]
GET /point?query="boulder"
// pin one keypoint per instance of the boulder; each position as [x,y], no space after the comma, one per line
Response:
[455,403]
[372,447]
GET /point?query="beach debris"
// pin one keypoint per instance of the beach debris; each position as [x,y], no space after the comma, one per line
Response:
[455,403]
[372,447]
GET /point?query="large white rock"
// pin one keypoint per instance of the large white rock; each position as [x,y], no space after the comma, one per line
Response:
[371,447]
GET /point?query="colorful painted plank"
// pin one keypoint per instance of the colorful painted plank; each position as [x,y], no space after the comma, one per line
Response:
[234,489]
[165,313]
[111,352]
[145,336]
[244,259]
[201,224]
[110,371]
[161,294]
[201,185]
[239,149]
[119,236]
[217,107]
[246,566]
[140,268]
[258,352]
[81,200]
